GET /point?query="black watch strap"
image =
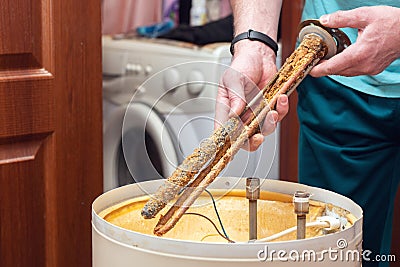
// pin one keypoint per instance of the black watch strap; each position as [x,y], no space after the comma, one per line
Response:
[255,36]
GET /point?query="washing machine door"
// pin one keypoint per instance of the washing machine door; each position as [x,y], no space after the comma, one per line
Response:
[138,146]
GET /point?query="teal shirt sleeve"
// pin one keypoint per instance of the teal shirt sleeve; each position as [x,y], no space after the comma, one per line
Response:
[384,84]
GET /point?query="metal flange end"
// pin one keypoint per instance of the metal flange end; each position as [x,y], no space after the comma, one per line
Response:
[335,39]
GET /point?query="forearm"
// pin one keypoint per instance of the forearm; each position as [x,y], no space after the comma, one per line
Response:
[258,15]
[253,64]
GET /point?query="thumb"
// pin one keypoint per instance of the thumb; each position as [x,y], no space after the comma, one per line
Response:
[354,18]
[237,98]
[234,83]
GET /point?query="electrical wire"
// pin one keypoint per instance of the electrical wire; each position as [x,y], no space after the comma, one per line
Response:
[292,229]
[320,224]
[224,235]
[215,226]
[209,235]
[216,211]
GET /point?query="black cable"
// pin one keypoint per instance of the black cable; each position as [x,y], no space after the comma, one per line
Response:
[216,211]
[208,219]
[225,235]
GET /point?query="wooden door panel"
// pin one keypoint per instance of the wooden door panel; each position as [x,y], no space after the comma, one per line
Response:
[26,106]
[50,130]
[16,26]
[25,37]
[23,208]
[26,95]
[26,121]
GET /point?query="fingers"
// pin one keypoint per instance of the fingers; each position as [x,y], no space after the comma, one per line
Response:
[360,58]
[274,116]
[269,127]
[341,64]
[282,106]
[230,97]
[222,107]
[234,84]
[270,123]
[254,142]
[355,18]
[376,47]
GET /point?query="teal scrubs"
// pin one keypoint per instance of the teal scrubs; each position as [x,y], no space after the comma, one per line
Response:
[350,135]
[350,143]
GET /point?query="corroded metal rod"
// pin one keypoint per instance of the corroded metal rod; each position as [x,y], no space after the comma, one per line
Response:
[296,67]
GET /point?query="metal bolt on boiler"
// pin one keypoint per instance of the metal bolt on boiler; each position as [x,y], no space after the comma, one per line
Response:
[252,194]
[301,201]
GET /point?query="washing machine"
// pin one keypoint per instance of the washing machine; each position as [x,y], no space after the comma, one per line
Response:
[158,106]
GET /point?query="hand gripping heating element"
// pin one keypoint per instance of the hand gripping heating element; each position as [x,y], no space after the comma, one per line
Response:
[210,158]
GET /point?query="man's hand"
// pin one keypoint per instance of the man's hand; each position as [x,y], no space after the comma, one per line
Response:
[252,67]
[377,45]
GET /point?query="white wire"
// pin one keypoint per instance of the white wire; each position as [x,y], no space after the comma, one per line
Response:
[319,224]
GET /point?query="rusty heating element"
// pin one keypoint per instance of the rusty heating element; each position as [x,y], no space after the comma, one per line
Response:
[225,141]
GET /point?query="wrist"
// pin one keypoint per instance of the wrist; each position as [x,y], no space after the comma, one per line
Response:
[255,36]
[251,47]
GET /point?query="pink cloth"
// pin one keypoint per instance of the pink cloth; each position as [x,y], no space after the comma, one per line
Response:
[120,16]
[225,8]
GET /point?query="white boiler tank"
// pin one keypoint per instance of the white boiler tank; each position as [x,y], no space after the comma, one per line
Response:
[115,246]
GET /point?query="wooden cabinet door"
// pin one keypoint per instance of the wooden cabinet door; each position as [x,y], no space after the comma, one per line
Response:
[50,130]
[290,19]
